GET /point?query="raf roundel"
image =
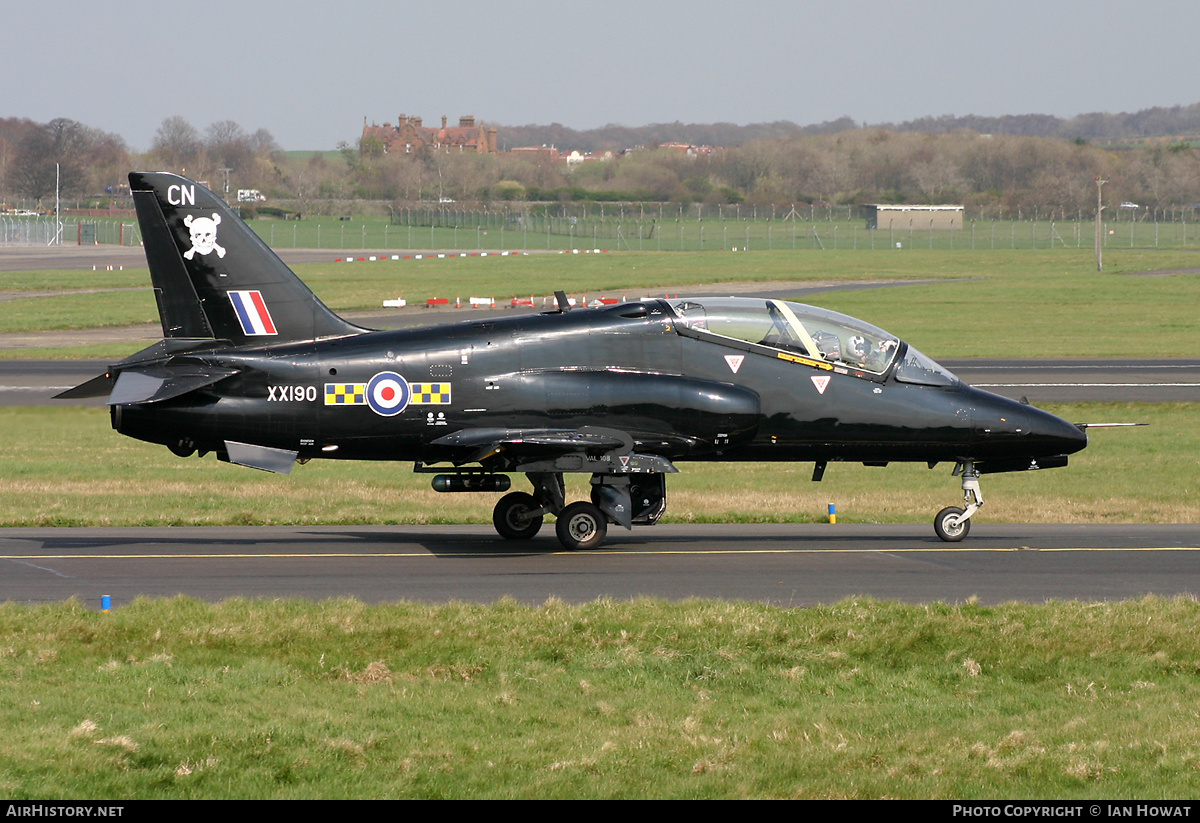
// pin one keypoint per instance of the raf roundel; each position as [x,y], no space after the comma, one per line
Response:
[388,393]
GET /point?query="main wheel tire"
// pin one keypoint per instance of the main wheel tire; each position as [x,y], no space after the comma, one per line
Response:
[183,447]
[512,517]
[949,527]
[581,526]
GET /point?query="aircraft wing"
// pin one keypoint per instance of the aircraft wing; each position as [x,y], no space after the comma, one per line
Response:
[482,443]
[543,449]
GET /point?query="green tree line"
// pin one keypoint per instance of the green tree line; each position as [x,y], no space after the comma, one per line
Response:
[999,174]
[1003,174]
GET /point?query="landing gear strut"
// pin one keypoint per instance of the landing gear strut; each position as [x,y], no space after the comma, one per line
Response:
[952,523]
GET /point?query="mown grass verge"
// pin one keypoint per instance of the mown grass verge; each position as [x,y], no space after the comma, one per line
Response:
[65,466]
[998,303]
[699,699]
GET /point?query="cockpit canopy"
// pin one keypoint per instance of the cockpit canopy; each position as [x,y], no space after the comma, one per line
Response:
[809,332]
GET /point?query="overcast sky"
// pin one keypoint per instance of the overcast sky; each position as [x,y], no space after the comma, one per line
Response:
[309,71]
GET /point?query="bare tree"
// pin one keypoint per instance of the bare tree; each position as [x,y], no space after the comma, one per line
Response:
[177,145]
[13,130]
[228,146]
[107,161]
[1166,176]
[52,155]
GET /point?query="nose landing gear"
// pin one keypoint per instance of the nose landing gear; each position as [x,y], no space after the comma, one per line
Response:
[952,523]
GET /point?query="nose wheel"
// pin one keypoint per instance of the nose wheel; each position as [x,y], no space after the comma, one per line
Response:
[953,523]
[950,524]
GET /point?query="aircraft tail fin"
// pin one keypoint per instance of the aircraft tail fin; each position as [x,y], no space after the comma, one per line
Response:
[213,277]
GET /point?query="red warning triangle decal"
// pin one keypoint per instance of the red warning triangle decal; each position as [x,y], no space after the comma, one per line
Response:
[820,381]
[735,361]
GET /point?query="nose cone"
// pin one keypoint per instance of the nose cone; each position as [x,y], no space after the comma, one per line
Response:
[1054,434]
[1005,429]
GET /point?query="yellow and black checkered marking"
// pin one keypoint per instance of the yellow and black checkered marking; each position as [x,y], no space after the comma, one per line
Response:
[345,394]
[430,394]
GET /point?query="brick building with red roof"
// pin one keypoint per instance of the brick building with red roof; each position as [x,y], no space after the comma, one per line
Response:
[409,135]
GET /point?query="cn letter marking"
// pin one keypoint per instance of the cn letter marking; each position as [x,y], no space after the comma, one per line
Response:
[181,195]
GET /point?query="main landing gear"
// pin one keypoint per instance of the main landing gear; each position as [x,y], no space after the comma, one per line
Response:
[517,516]
[626,500]
[953,523]
[579,526]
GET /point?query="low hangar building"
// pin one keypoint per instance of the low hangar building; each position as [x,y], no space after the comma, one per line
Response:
[888,216]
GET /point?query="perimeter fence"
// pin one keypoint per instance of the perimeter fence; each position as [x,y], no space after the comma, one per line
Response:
[482,229]
[642,228]
[46,231]
[698,227]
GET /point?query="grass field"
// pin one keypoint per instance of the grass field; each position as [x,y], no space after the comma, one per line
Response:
[638,699]
[990,304]
[97,477]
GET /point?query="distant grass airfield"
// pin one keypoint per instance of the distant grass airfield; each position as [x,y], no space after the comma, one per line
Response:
[1014,303]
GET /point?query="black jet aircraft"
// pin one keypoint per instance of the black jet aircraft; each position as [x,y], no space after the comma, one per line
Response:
[254,368]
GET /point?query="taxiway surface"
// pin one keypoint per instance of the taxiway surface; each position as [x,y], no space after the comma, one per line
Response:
[788,565]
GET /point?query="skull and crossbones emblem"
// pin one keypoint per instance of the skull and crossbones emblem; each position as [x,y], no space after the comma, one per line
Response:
[204,235]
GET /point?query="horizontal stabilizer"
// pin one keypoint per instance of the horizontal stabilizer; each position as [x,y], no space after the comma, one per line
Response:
[102,385]
[154,384]
[96,387]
